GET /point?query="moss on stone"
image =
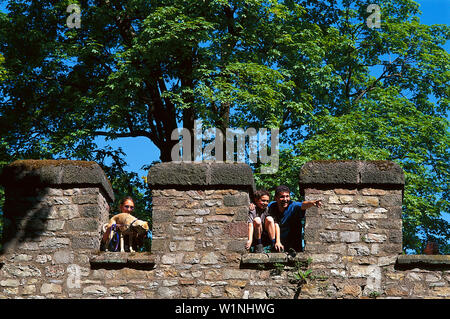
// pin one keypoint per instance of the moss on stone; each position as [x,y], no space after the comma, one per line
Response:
[31,164]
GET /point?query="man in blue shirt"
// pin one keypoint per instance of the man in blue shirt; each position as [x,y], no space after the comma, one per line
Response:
[288,215]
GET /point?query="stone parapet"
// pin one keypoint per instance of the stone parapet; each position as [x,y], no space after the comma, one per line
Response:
[427,261]
[53,213]
[57,174]
[357,233]
[331,173]
[201,175]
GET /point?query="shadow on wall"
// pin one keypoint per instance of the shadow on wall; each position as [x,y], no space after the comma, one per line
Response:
[40,195]
[26,216]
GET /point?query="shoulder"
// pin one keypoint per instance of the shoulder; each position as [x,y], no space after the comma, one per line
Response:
[294,205]
[272,206]
[297,204]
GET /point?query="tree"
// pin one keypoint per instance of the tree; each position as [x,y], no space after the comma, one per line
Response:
[334,86]
[398,114]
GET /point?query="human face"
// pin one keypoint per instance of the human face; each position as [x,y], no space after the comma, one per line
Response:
[262,202]
[127,207]
[283,200]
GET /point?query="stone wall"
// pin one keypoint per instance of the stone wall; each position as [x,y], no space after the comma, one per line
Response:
[357,234]
[54,211]
[355,239]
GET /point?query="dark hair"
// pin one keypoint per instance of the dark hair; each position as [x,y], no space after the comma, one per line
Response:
[260,193]
[123,200]
[282,189]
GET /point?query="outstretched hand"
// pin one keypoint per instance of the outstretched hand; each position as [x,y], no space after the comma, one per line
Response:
[317,203]
[310,203]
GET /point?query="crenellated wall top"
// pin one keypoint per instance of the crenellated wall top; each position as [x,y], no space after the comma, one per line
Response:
[332,173]
[62,173]
[181,174]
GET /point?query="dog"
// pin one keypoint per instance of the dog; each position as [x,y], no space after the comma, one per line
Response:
[125,224]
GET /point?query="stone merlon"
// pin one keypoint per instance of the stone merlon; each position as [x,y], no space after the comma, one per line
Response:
[179,175]
[323,174]
[51,173]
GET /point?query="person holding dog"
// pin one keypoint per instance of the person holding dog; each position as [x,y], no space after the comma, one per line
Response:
[126,205]
[261,227]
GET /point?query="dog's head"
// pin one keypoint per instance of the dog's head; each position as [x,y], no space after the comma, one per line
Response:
[141,226]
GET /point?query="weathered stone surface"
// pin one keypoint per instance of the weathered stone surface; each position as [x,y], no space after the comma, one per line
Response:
[235,174]
[329,172]
[175,175]
[95,289]
[381,173]
[38,173]
[417,260]
[351,173]
[51,288]
[255,258]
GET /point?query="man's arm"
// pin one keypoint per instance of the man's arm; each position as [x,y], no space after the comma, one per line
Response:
[310,203]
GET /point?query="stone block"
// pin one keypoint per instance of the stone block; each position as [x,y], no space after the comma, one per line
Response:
[50,288]
[358,250]
[391,200]
[22,270]
[10,283]
[236,229]
[82,224]
[45,173]
[335,174]
[89,211]
[219,218]
[85,199]
[381,173]
[63,257]
[175,175]
[229,174]
[329,172]
[352,290]
[236,200]
[329,236]
[375,238]
[54,243]
[235,274]
[88,242]
[95,290]
[236,245]
[162,215]
[209,259]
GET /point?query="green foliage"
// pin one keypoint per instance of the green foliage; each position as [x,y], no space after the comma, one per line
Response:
[302,276]
[335,88]
[125,183]
[2,69]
